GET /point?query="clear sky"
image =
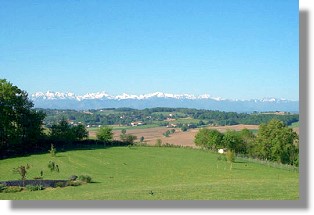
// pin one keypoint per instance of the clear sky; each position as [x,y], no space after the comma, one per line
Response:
[229,48]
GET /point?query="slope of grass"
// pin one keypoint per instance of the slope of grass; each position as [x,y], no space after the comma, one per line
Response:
[153,173]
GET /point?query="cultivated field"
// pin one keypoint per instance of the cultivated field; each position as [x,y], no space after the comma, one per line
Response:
[178,138]
[154,173]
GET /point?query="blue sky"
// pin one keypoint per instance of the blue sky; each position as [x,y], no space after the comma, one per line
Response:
[229,48]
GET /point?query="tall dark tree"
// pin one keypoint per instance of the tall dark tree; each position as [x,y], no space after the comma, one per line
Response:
[19,123]
[65,132]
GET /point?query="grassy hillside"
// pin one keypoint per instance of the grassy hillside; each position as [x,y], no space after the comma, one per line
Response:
[153,173]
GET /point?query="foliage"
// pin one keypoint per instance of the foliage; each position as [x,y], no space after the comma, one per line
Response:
[230,155]
[34,187]
[74,183]
[53,166]
[127,138]
[141,139]
[11,189]
[65,132]
[20,125]
[105,134]
[184,128]
[158,116]
[60,184]
[2,187]
[277,142]
[85,178]
[167,133]
[274,141]
[52,151]
[233,141]
[79,132]
[21,170]
[209,138]
[158,142]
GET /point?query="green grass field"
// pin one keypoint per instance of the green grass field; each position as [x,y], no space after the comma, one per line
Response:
[154,173]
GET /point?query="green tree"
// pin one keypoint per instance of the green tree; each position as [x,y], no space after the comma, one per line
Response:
[141,139]
[19,123]
[105,134]
[208,138]
[52,151]
[167,133]
[184,128]
[79,132]
[129,138]
[62,132]
[234,142]
[277,142]
[21,170]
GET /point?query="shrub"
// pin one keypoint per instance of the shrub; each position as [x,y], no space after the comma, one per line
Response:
[12,189]
[167,133]
[38,178]
[128,138]
[34,187]
[230,156]
[52,151]
[73,178]
[85,178]
[60,184]
[74,183]
[158,143]
[21,170]
[2,188]
[184,128]
[53,166]
[141,139]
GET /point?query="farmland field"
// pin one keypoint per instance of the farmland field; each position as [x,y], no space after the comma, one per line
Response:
[178,138]
[154,173]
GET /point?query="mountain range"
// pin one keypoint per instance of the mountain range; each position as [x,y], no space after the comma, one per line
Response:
[60,100]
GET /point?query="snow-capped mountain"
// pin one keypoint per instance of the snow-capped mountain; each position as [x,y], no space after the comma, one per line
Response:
[49,95]
[60,100]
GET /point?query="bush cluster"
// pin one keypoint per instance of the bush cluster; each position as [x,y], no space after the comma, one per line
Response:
[85,178]
[10,189]
[34,187]
[274,141]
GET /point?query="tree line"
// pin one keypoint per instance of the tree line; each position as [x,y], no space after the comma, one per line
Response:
[22,129]
[274,141]
[125,116]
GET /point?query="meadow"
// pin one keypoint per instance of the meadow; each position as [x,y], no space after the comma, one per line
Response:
[154,173]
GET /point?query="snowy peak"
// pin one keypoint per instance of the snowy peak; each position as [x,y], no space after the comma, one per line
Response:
[98,100]
[53,95]
[50,95]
